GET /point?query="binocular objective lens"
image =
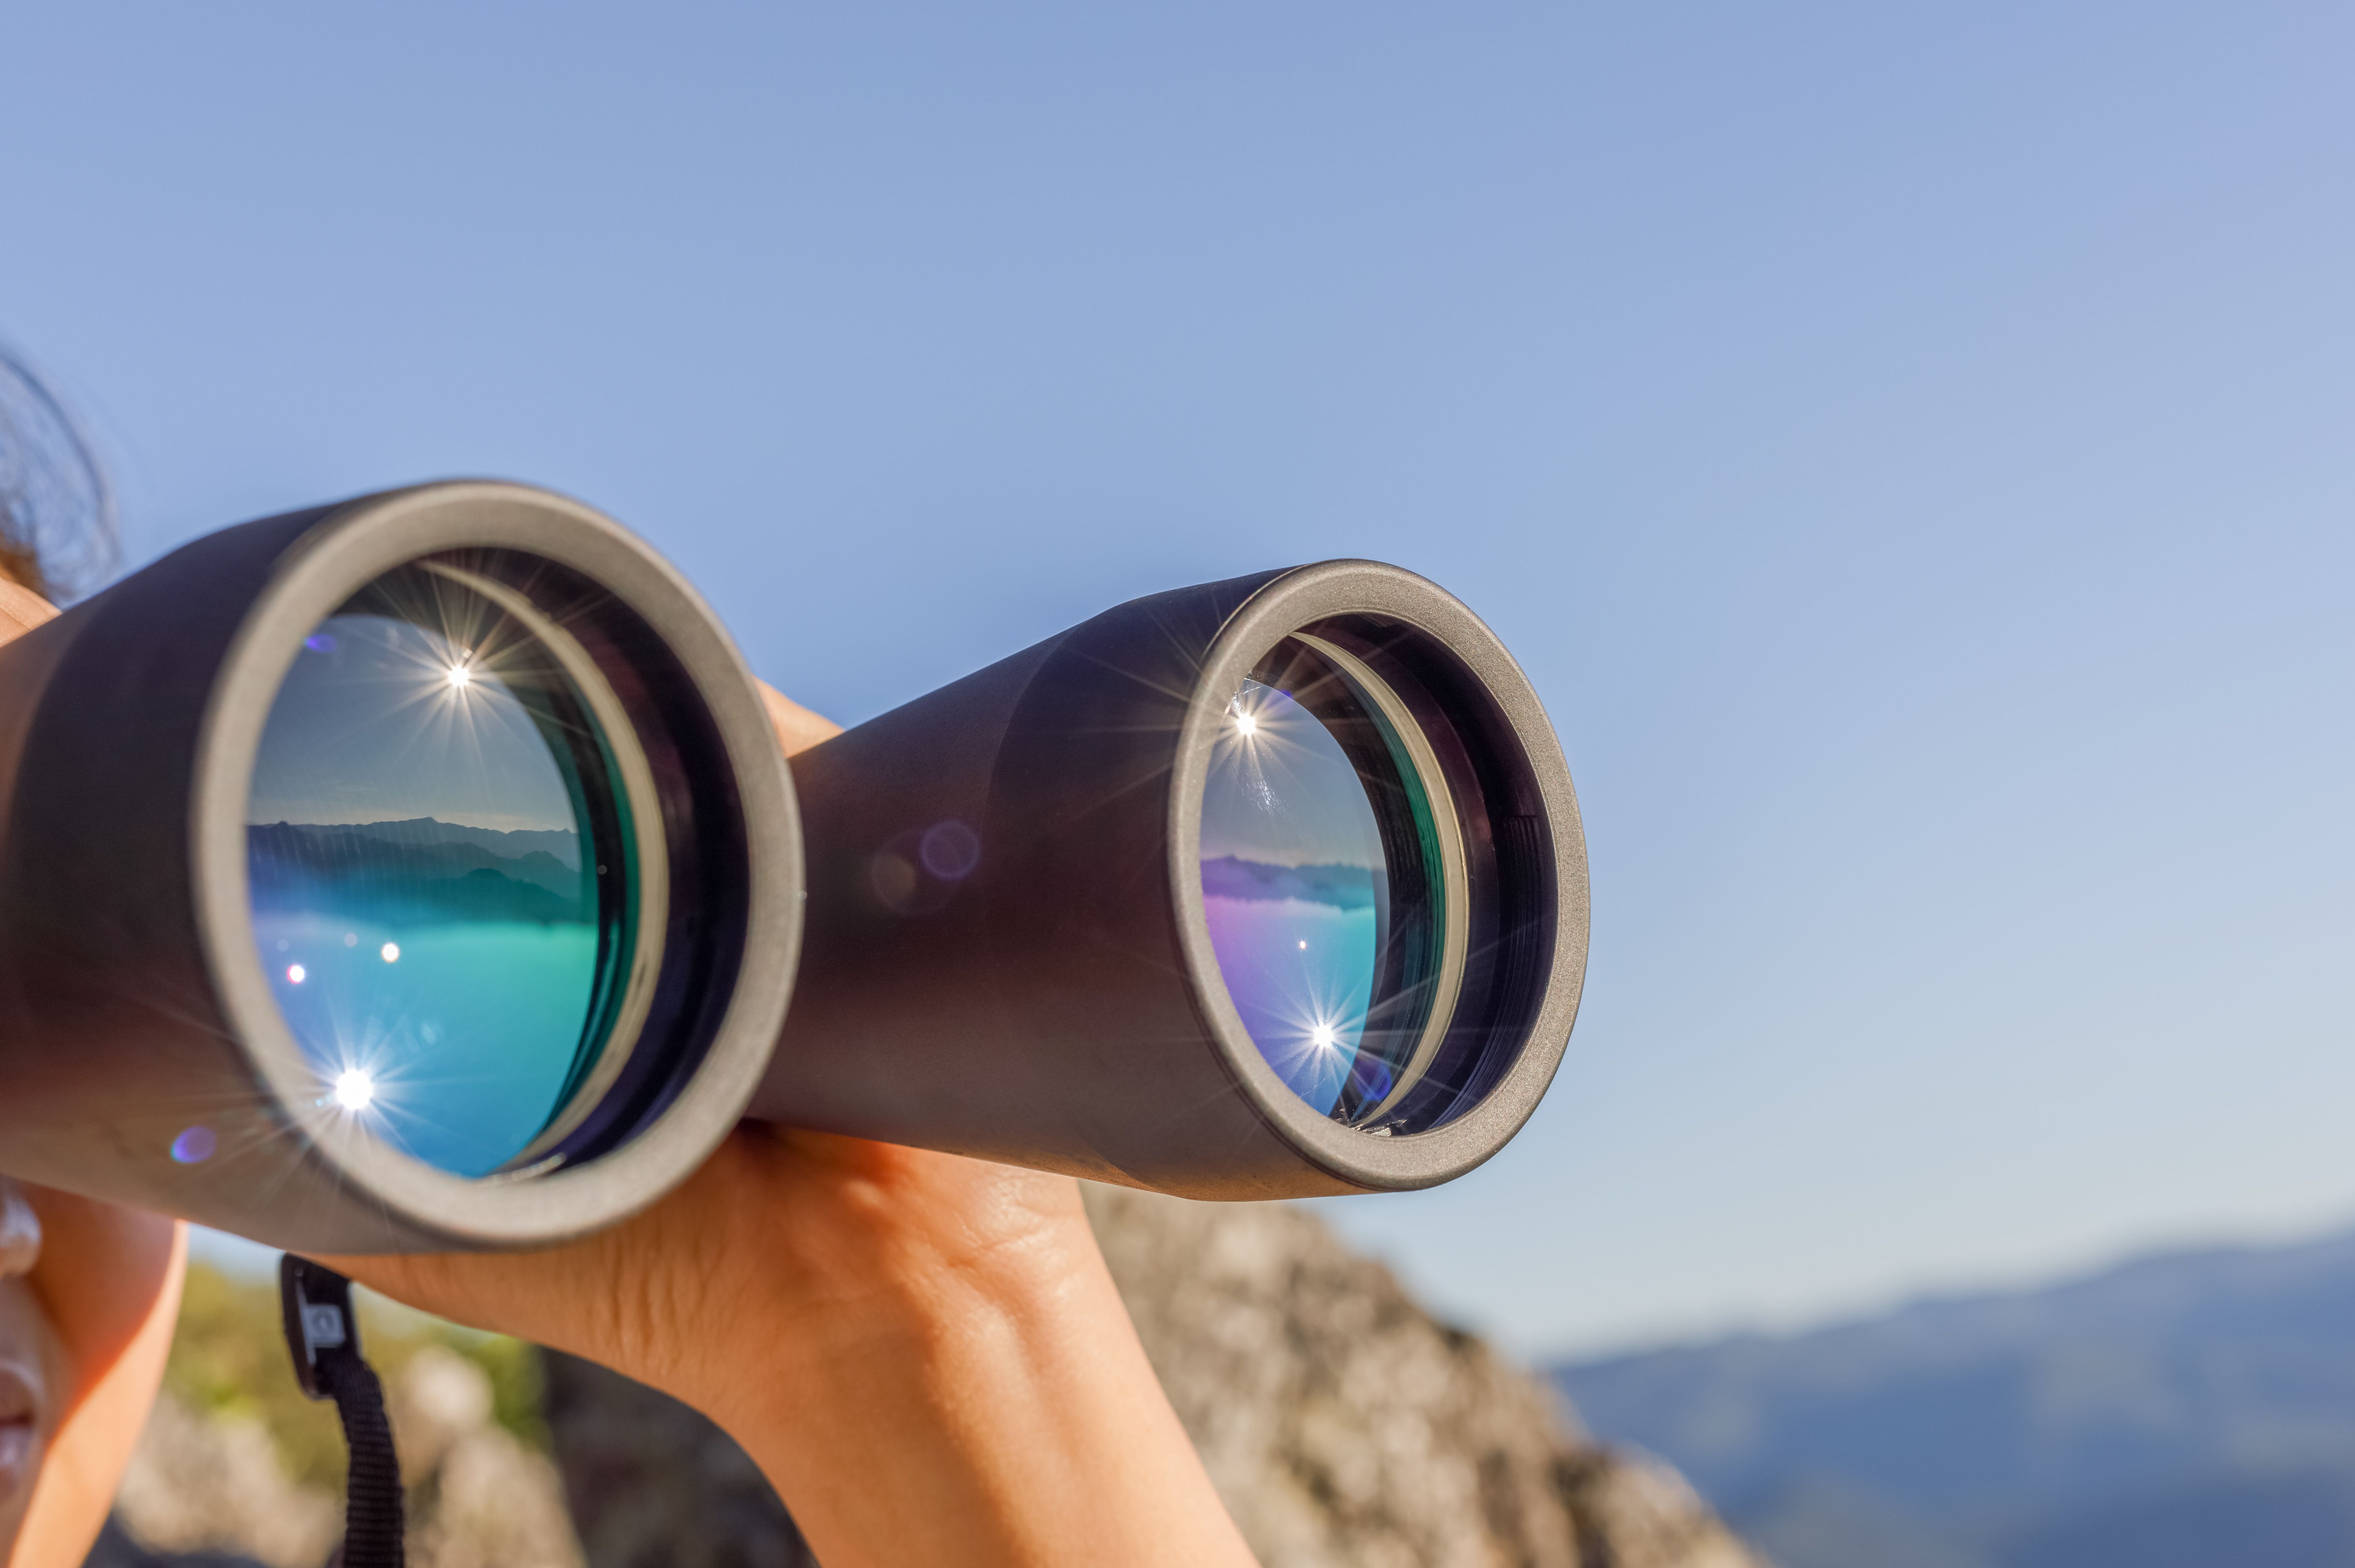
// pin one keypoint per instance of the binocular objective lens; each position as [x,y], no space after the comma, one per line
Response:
[443,870]
[1325,885]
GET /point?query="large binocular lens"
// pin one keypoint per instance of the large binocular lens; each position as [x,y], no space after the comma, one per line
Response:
[422,871]
[453,831]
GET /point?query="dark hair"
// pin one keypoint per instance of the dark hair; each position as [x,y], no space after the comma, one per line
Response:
[57,509]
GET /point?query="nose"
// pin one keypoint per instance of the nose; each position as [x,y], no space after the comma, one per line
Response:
[20,1232]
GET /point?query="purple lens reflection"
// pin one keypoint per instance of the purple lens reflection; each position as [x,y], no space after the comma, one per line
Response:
[951,851]
[1293,879]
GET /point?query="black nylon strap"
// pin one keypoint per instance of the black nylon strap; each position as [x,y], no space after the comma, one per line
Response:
[323,1335]
[373,1518]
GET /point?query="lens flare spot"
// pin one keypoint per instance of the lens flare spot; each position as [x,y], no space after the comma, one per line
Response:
[193,1146]
[894,880]
[351,938]
[355,1090]
[389,952]
[296,974]
[950,851]
[1304,947]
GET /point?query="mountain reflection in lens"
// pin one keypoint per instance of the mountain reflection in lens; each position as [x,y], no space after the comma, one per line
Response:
[430,805]
[1320,884]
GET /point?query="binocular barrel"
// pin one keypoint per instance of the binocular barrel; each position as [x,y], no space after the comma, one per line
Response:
[422,871]
[1264,888]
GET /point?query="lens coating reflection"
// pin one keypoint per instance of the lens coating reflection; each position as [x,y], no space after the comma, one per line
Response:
[1322,886]
[438,871]
[1291,868]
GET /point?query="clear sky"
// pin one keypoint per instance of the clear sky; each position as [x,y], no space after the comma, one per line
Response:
[367,728]
[1912,447]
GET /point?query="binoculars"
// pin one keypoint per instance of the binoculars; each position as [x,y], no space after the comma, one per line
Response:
[422,871]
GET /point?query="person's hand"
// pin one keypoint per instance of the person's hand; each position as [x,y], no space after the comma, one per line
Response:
[924,1353]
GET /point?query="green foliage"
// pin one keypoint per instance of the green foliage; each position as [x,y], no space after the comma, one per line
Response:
[229,1358]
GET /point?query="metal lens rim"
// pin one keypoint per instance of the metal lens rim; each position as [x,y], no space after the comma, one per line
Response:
[346,549]
[1524,751]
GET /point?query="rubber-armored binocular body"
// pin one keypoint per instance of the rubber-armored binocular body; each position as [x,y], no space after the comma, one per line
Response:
[422,871]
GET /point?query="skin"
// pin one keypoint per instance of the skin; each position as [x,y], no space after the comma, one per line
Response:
[31,1358]
[90,1322]
[924,1353]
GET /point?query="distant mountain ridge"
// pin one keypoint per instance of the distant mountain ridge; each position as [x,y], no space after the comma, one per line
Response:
[2157,1413]
[417,870]
[563,843]
[1342,887]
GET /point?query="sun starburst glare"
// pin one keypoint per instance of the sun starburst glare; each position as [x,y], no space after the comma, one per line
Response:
[1257,746]
[355,1088]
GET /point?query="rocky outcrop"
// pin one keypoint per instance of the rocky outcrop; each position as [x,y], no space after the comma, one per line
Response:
[1346,1429]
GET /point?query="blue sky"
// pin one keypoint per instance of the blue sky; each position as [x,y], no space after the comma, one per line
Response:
[1909,447]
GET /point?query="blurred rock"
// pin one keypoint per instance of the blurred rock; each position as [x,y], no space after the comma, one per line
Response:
[1633,1512]
[116,1548]
[436,1402]
[478,1496]
[1346,1429]
[215,1484]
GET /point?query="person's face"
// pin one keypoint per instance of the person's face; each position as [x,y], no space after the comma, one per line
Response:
[31,1361]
